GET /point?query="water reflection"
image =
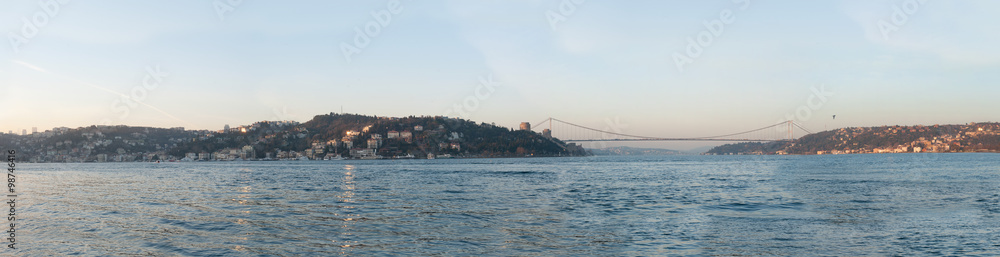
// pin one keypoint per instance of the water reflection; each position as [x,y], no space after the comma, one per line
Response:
[347,212]
[244,184]
[676,205]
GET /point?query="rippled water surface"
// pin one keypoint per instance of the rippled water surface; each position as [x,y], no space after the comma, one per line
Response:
[910,204]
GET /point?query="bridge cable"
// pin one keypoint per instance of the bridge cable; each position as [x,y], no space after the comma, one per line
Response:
[800,127]
[745,132]
[646,137]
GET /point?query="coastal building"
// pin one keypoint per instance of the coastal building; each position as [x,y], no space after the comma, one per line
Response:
[406,135]
[374,143]
[573,147]
[392,134]
[362,153]
[525,126]
[418,128]
[547,133]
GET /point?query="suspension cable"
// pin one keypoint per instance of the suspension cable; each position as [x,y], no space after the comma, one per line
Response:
[745,132]
[598,130]
[800,127]
[645,137]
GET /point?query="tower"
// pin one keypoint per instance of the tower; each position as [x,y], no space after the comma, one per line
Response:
[790,136]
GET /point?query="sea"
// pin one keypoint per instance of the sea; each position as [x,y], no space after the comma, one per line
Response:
[829,205]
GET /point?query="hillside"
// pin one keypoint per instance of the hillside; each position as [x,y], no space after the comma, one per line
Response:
[323,137]
[972,137]
[90,143]
[753,148]
[350,135]
[625,150]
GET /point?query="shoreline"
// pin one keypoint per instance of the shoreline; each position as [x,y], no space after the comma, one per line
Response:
[515,157]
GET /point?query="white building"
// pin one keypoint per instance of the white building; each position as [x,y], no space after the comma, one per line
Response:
[360,153]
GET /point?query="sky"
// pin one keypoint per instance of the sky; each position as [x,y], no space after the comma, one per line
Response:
[653,68]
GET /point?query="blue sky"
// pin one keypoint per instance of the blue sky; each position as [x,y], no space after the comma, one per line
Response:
[606,64]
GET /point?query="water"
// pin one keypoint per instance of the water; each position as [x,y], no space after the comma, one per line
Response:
[857,205]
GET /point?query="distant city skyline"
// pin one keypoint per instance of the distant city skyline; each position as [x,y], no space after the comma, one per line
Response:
[657,68]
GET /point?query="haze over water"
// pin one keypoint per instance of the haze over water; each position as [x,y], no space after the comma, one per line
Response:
[908,204]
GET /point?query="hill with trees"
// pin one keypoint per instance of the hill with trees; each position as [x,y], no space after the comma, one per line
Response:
[972,137]
[339,134]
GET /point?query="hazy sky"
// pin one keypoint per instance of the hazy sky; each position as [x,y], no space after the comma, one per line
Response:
[628,66]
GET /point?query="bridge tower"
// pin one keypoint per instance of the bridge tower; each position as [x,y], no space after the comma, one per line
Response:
[790,129]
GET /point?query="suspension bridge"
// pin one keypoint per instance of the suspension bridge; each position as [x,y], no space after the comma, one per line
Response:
[570,132]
